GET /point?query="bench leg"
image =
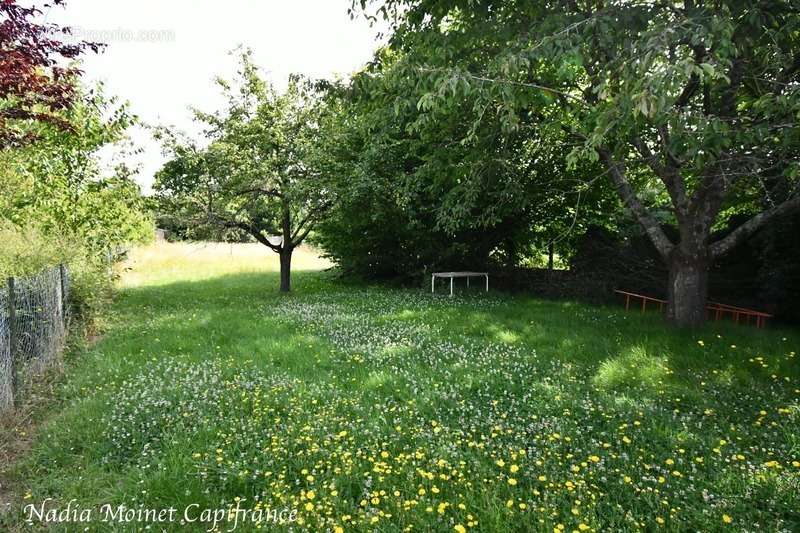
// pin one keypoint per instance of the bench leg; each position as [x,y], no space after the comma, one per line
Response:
[433,278]
[451,287]
[487,282]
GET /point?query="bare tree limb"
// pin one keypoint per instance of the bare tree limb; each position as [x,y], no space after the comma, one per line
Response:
[727,243]
[626,192]
[272,193]
[299,233]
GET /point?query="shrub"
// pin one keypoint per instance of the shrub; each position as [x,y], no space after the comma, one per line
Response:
[29,250]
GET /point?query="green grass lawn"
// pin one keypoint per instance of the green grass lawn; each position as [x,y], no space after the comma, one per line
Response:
[372,409]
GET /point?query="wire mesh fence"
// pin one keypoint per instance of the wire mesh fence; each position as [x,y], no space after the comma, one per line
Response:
[33,329]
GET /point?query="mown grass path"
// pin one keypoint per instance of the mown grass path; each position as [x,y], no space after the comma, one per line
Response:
[372,409]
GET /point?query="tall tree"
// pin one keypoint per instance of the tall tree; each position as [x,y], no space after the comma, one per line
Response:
[36,81]
[260,170]
[690,104]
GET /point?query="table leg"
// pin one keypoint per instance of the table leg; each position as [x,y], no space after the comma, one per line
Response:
[433,278]
[487,282]
[451,286]
[467,281]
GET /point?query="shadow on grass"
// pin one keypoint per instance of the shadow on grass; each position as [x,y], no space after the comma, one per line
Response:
[224,315]
[624,350]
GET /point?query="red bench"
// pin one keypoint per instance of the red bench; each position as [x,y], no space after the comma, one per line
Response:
[628,295]
[715,309]
[720,310]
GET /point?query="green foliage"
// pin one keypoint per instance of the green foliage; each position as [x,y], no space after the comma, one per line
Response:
[447,187]
[27,251]
[717,77]
[57,205]
[57,184]
[691,108]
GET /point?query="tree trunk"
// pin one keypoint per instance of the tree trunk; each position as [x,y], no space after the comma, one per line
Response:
[286,269]
[688,288]
[550,257]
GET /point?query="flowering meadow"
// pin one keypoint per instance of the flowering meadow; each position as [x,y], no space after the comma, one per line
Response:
[375,409]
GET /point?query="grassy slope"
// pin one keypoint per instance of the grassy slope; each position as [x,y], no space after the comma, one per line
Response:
[396,409]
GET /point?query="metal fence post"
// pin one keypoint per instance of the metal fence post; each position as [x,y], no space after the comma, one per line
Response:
[12,338]
[62,270]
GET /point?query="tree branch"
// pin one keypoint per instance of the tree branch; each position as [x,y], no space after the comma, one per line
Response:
[485,79]
[249,228]
[726,244]
[785,75]
[273,193]
[261,238]
[298,236]
[669,174]
[694,80]
[624,189]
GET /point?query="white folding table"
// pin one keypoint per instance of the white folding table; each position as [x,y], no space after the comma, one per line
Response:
[453,275]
